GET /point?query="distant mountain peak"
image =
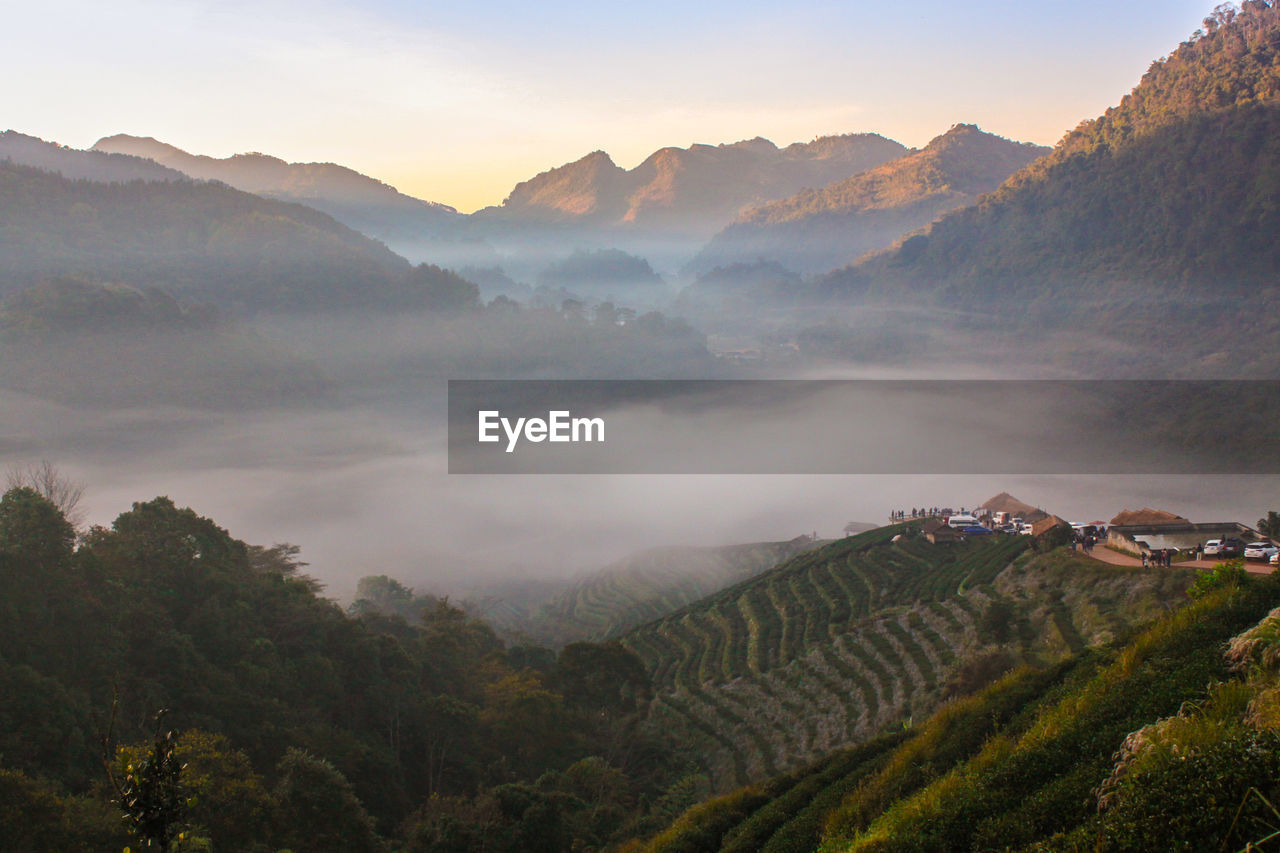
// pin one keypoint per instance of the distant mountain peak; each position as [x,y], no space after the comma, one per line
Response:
[688,191]
[816,230]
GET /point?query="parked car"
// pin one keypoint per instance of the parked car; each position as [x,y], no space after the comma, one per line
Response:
[1260,551]
[976,530]
[1231,548]
[1213,548]
[1026,529]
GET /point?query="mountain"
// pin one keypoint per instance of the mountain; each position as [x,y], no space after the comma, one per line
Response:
[1165,741]
[819,230]
[836,644]
[75,164]
[687,191]
[1170,195]
[202,241]
[356,200]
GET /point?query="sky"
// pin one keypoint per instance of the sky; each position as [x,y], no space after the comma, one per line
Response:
[458,102]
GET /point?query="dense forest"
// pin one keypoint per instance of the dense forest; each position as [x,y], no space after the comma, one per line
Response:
[1175,188]
[300,726]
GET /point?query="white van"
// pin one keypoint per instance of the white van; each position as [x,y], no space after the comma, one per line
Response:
[962,520]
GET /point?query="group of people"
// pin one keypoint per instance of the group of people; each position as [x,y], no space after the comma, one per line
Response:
[1162,558]
[922,512]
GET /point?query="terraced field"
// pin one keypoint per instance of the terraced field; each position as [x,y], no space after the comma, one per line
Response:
[651,584]
[837,643]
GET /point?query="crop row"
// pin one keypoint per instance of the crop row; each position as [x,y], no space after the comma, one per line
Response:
[837,692]
[777,617]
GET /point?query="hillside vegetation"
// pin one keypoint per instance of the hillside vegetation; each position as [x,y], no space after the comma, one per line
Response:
[1166,742]
[834,645]
[206,241]
[819,229]
[1174,188]
[301,727]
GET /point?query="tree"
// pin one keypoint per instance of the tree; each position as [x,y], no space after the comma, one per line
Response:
[1228,573]
[34,531]
[151,794]
[602,678]
[282,558]
[318,810]
[47,481]
[1270,526]
[231,803]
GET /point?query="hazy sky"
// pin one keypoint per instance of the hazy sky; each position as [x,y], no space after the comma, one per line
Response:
[456,102]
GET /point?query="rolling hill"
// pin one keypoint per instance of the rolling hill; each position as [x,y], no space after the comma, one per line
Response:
[834,645]
[358,201]
[202,241]
[820,229]
[100,166]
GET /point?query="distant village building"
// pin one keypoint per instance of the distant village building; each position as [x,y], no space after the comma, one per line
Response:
[1044,525]
[1148,530]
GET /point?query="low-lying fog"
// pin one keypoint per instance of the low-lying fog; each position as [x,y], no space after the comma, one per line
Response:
[363,489]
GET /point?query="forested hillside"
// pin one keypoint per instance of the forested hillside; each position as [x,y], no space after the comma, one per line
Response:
[835,644]
[301,727]
[205,241]
[1173,189]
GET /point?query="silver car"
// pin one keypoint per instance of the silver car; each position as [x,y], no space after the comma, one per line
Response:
[1260,551]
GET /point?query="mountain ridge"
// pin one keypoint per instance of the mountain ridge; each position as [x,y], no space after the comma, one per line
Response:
[816,230]
[1173,188]
[357,200]
[676,188]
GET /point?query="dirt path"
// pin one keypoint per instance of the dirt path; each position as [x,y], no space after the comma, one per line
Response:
[1115,558]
